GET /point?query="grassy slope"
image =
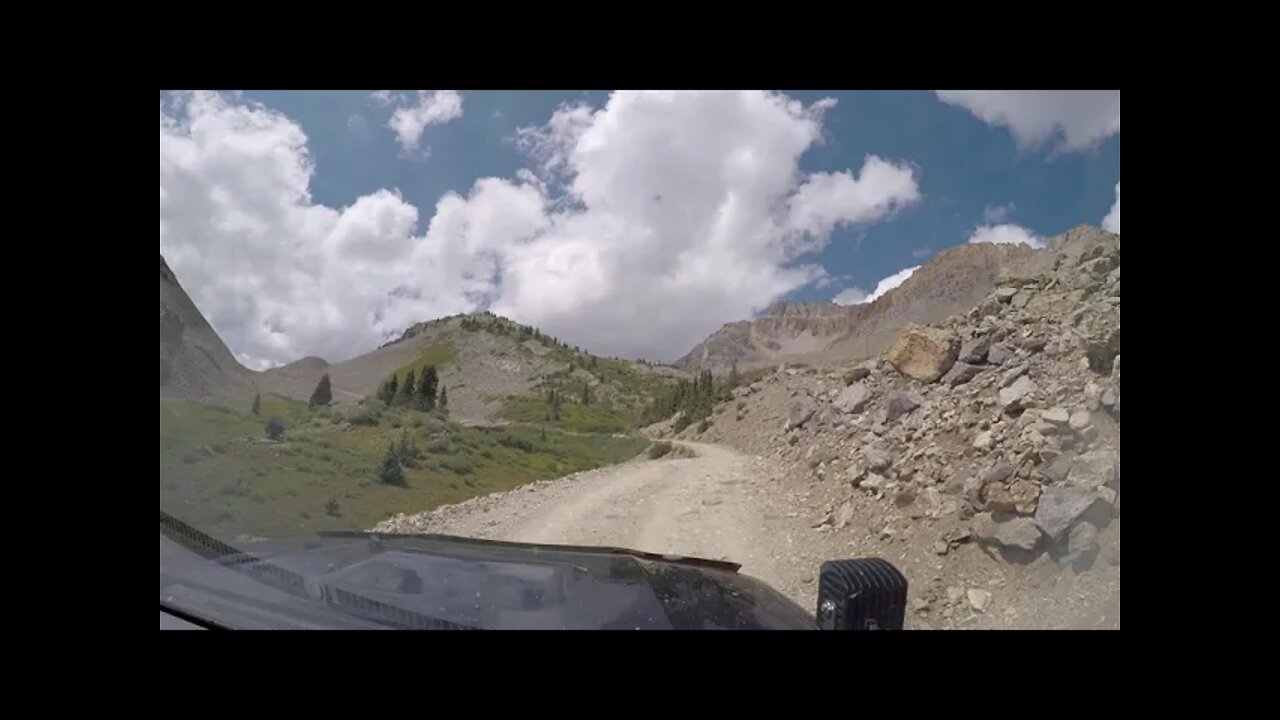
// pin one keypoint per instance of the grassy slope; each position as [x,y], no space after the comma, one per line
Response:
[618,394]
[218,471]
[441,355]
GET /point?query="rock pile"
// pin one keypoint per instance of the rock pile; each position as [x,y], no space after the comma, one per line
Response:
[1006,418]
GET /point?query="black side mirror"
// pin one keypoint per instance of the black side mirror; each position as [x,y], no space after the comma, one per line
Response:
[861,594]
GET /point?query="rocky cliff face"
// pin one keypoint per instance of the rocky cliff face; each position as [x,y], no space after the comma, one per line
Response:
[950,283]
[194,362]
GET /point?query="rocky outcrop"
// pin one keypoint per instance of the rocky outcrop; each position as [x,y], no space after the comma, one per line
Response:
[953,281]
[996,422]
[924,353]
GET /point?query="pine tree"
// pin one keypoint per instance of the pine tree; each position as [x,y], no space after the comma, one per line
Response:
[444,399]
[555,405]
[406,393]
[388,391]
[390,472]
[427,388]
[734,378]
[586,394]
[323,394]
[257,404]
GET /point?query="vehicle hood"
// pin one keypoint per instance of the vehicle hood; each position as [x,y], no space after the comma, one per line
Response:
[361,580]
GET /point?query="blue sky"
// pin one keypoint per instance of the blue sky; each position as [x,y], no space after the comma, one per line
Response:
[1038,162]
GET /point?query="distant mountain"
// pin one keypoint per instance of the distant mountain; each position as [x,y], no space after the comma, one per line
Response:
[194,362]
[950,283]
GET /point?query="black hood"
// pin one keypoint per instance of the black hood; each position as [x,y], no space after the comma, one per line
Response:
[359,580]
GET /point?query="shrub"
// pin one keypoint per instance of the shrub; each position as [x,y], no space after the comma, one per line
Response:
[332,508]
[274,429]
[457,465]
[367,415]
[441,446]
[704,425]
[518,443]
[659,449]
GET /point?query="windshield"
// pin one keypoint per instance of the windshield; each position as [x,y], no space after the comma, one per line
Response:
[709,339]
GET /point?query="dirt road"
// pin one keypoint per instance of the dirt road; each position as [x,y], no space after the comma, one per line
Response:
[720,504]
[723,504]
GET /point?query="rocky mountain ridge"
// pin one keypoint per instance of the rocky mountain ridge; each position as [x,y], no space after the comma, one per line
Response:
[951,282]
[981,452]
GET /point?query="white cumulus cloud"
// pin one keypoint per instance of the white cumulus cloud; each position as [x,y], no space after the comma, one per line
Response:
[1111,223]
[1006,233]
[643,225]
[414,114]
[1069,120]
[278,275]
[855,295]
[850,296]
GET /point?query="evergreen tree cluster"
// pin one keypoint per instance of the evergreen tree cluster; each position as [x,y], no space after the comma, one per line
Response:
[418,393]
[692,399]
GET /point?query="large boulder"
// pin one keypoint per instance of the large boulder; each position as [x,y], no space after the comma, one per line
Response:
[925,353]
[801,411]
[852,399]
[960,373]
[1020,497]
[997,473]
[899,403]
[1095,468]
[1061,508]
[1056,416]
[855,374]
[878,460]
[1082,545]
[1102,350]
[999,354]
[1057,468]
[1009,376]
[1014,534]
[1011,397]
[975,351]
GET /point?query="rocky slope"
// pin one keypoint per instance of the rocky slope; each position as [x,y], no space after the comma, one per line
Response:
[980,453]
[194,362]
[951,282]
